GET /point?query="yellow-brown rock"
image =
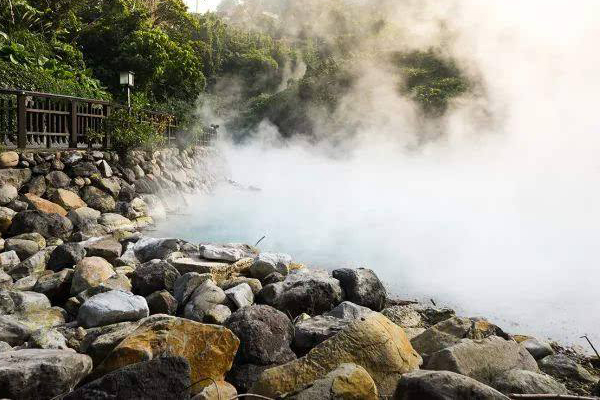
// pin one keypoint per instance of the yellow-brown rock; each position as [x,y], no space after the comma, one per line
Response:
[375,343]
[68,200]
[44,205]
[209,349]
[219,390]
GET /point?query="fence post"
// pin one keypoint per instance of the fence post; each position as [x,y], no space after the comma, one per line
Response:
[21,121]
[73,125]
[107,143]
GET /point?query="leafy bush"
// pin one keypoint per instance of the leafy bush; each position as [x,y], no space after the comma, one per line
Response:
[128,130]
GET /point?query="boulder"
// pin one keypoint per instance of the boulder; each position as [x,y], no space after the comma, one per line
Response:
[98,342]
[483,359]
[6,280]
[240,295]
[162,302]
[219,271]
[90,272]
[254,283]
[349,311]
[36,185]
[15,177]
[443,385]
[114,222]
[156,208]
[147,249]
[58,179]
[83,169]
[83,216]
[9,260]
[153,276]
[362,287]
[48,225]
[267,263]
[8,193]
[13,331]
[6,217]
[107,248]
[185,285]
[404,316]
[383,351]
[9,159]
[348,381]
[71,157]
[527,382]
[98,199]
[306,291]
[68,200]
[227,252]
[165,377]
[312,331]
[47,339]
[41,373]
[34,236]
[204,300]
[109,185]
[112,307]
[23,248]
[209,349]
[33,265]
[265,335]
[537,348]
[561,366]
[55,286]
[66,256]
[105,169]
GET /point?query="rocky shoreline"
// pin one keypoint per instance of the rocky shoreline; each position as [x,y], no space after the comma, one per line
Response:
[93,308]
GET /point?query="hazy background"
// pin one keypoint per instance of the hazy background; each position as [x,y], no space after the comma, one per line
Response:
[499,217]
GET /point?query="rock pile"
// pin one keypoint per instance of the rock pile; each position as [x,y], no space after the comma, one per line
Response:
[90,307]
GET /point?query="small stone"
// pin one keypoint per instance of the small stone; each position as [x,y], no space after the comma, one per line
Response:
[105,169]
[6,280]
[537,348]
[216,390]
[6,218]
[9,260]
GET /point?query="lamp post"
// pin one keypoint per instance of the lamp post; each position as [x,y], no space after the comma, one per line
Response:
[126,79]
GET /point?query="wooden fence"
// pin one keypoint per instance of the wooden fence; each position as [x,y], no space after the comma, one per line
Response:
[32,120]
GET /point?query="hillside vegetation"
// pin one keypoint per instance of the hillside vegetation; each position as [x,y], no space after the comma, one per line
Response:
[253,61]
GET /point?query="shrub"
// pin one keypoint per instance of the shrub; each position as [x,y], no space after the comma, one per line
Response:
[128,130]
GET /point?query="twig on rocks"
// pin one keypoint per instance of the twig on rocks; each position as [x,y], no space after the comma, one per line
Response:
[590,342]
[551,397]
[260,240]
[433,302]
[256,396]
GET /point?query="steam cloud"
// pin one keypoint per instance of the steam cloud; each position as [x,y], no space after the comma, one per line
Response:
[498,217]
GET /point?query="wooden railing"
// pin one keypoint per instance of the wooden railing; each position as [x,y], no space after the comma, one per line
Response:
[42,120]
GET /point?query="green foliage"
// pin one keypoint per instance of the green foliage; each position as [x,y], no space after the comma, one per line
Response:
[128,130]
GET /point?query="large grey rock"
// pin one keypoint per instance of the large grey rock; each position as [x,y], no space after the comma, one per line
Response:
[98,199]
[25,301]
[66,256]
[84,216]
[23,248]
[240,295]
[84,169]
[227,252]
[16,177]
[204,300]
[41,373]
[266,263]
[90,272]
[8,193]
[55,286]
[13,331]
[362,287]
[154,276]
[561,366]
[9,260]
[165,377]
[186,284]
[483,359]
[312,331]
[147,249]
[107,248]
[537,348]
[443,385]
[304,291]
[112,307]
[58,179]
[527,382]
[265,335]
[48,225]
